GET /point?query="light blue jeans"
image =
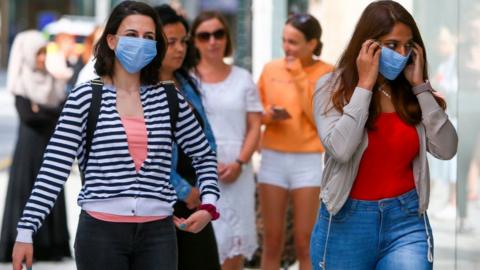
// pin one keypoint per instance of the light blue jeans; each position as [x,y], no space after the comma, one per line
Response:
[382,235]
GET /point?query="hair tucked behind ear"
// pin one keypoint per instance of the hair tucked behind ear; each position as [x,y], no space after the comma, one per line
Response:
[309,26]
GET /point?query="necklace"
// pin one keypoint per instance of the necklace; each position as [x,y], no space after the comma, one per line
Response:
[385,93]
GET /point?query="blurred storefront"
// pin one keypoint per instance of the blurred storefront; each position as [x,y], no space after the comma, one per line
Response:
[19,15]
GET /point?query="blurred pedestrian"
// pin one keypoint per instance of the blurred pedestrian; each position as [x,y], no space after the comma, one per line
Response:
[62,57]
[377,117]
[292,155]
[85,70]
[126,198]
[195,251]
[234,110]
[38,101]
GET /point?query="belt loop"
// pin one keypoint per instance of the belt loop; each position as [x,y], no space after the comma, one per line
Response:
[323,264]
[429,239]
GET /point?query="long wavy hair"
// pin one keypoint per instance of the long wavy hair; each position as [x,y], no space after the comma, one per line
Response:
[377,20]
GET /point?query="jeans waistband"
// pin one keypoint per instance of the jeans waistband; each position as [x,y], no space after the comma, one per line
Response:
[383,203]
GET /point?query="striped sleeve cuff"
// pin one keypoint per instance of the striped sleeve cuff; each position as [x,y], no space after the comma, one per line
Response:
[209,199]
[24,236]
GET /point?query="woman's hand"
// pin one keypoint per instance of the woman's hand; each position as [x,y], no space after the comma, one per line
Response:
[35,108]
[229,172]
[194,223]
[22,252]
[414,71]
[193,199]
[367,64]
[277,113]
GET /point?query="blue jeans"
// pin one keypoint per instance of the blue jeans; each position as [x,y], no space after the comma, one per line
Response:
[101,245]
[365,235]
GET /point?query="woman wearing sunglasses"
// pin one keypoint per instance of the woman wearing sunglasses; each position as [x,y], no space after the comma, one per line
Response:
[291,149]
[126,198]
[234,110]
[377,117]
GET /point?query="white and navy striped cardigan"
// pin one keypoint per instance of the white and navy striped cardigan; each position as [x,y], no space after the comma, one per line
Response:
[112,184]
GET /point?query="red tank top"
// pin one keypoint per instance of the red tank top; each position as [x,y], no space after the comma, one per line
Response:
[385,169]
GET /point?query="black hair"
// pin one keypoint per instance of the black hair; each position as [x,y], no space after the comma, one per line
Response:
[105,57]
[168,16]
[309,26]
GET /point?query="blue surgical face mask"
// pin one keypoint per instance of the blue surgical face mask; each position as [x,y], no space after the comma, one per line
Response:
[135,53]
[392,63]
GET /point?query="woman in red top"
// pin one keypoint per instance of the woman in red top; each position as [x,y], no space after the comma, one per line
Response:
[377,117]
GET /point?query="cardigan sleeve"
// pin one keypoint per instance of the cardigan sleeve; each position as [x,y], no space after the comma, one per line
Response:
[58,158]
[192,140]
[340,133]
[442,139]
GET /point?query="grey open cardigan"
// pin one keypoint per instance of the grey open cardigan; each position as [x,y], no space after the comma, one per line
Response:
[345,139]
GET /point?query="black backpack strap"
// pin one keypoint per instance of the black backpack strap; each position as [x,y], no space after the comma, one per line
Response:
[173,106]
[93,112]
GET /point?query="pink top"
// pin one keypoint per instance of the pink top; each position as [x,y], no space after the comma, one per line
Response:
[137,139]
[123,219]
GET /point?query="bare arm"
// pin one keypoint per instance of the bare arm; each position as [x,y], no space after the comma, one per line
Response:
[254,121]
[230,172]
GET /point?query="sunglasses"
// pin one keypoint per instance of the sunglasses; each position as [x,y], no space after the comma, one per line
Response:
[205,36]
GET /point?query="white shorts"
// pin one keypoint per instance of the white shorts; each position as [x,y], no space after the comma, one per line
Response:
[290,170]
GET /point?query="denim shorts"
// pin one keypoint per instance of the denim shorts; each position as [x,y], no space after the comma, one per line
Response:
[290,170]
[384,235]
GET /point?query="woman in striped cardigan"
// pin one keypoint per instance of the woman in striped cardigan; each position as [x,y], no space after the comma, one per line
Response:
[126,199]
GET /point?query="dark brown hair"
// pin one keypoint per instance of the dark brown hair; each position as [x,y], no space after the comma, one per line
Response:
[208,15]
[310,28]
[169,16]
[377,20]
[105,57]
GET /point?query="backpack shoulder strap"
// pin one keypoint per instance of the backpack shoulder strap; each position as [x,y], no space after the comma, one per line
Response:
[173,105]
[93,112]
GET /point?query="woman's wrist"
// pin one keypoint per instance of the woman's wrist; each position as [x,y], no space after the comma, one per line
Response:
[423,87]
[211,209]
[240,162]
[365,85]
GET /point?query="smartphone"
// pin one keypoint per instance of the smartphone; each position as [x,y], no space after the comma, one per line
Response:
[410,58]
[282,112]
[278,110]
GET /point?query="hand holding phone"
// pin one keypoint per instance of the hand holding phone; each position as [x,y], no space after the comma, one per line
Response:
[279,113]
[414,72]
